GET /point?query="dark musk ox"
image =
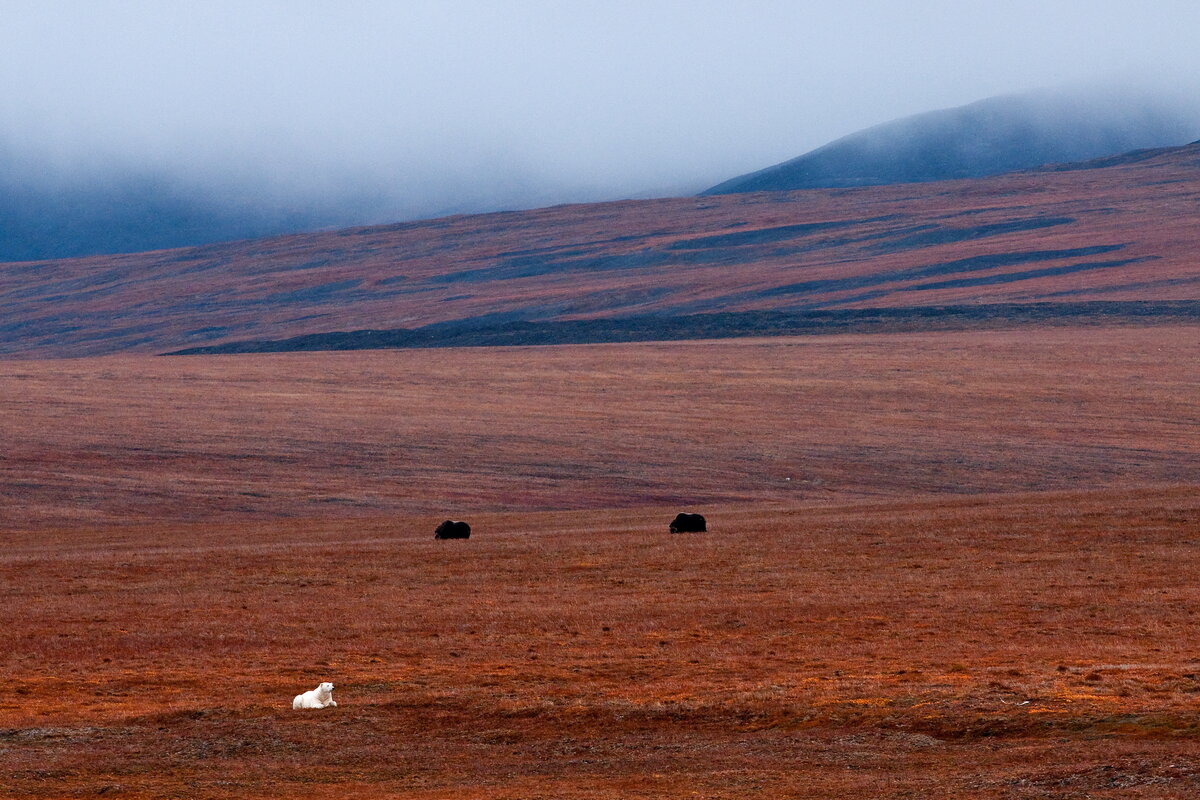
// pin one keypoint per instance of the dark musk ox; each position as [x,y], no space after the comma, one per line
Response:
[452,529]
[688,523]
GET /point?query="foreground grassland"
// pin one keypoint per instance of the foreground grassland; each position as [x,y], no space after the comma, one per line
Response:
[1035,646]
[954,565]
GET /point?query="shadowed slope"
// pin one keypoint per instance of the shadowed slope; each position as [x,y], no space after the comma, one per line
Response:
[1112,233]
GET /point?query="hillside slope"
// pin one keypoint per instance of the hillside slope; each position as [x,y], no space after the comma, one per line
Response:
[996,135]
[1120,231]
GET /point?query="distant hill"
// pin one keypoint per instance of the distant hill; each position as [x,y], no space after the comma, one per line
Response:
[62,205]
[51,211]
[134,214]
[1111,241]
[992,136]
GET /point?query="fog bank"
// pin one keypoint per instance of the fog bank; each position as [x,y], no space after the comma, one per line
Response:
[373,111]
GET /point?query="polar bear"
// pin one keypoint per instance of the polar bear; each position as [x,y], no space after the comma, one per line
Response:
[320,697]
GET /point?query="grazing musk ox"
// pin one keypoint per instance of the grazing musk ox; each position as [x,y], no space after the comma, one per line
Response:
[688,523]
[452,529]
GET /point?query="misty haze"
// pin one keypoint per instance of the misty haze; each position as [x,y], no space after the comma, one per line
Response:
[127,126]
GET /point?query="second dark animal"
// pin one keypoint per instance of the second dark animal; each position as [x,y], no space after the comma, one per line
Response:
[452,529]
[688,523]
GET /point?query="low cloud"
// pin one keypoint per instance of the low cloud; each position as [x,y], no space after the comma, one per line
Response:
[371,112]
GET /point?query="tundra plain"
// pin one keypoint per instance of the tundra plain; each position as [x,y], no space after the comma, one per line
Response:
[782,420]
[952,564]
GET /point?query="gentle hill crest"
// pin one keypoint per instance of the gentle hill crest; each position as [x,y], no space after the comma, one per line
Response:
[1117,233]
[988,137]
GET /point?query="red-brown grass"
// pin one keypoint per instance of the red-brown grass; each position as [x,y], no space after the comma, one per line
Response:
[979,582]
[455,431]
[1033,645]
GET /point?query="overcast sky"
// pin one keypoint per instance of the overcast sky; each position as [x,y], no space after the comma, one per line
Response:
[476,103]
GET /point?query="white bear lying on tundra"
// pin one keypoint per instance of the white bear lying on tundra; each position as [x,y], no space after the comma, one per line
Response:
[320,697]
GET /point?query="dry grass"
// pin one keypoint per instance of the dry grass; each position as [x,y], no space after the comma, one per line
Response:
[1017,646]
[449,432]
[191,542]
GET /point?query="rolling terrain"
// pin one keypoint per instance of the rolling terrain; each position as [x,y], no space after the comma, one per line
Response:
[1119,230]
[55,204]
[999,134]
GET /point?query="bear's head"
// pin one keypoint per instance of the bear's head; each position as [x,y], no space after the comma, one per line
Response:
[325,688]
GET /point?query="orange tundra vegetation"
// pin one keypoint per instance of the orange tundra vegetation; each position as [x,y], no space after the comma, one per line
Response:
[979,583]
